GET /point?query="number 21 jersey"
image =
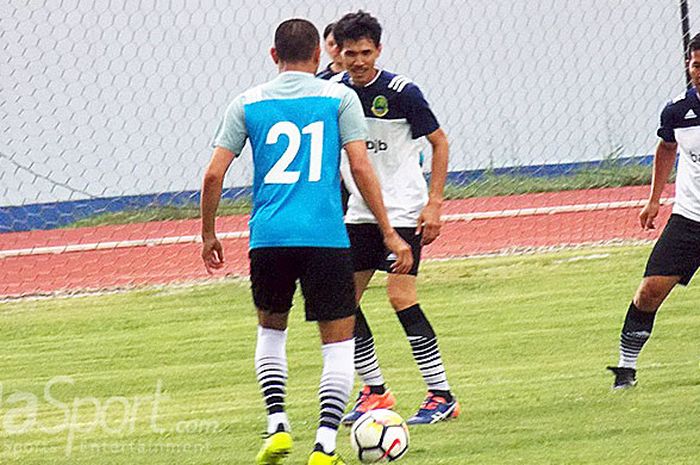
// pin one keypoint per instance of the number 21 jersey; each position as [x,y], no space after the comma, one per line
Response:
[297,125]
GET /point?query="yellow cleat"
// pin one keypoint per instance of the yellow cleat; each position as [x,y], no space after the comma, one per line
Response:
[319,458]
[275,449]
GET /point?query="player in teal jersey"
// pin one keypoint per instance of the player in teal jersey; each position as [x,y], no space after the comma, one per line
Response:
[297,125]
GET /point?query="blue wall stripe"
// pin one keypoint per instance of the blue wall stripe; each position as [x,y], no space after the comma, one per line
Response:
[57,214]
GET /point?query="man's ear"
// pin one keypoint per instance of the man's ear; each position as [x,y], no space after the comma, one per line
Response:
[273,54]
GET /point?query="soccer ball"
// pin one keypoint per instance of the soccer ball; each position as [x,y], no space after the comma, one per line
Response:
[379,436]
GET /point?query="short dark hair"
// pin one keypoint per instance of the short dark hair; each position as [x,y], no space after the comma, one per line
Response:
[328,30]
[296,40]
[693,45]
[357,26]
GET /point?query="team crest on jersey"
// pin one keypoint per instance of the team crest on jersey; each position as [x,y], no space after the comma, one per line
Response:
[380,106]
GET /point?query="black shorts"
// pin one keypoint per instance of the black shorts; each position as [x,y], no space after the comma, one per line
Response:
[325,275]
[370,253]
[677,252]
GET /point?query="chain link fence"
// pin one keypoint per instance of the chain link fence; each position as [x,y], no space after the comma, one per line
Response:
[110,105]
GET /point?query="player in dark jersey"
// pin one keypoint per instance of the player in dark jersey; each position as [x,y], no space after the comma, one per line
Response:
[676,255]
[399,119]
[335,66]
[296,125]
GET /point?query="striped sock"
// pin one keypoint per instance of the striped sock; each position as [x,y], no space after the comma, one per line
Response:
[366,362]
[334,390]
[271,370]
[635,333]
[424,347]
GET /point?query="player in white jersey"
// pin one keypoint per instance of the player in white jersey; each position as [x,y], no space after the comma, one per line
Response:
[676,255]
[398,117]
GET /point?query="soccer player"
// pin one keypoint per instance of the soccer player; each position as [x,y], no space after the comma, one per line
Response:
[676,255]
[398,117]
[335,66]
[296,125]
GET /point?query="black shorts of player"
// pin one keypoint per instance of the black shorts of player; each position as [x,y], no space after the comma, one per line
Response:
[370,253]
[677,252]
[325,275]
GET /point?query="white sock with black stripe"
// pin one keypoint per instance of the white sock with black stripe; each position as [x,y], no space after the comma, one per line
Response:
[366,362]
[271,370]
[336,383]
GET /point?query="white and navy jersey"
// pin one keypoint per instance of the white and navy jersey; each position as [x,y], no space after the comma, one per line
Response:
[327,73]
[680,122]
[398,116]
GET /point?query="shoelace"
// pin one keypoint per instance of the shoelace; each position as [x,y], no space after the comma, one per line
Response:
[362,397]
[432,401]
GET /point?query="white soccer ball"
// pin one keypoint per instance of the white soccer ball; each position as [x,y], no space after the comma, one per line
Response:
[379,436]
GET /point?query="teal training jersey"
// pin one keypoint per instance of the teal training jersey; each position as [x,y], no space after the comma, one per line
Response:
[296,125]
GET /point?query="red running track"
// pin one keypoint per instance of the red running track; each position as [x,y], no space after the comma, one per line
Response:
[53,270]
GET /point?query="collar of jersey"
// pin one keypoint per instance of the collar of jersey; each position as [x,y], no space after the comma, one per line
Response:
[374,79]
[292,74]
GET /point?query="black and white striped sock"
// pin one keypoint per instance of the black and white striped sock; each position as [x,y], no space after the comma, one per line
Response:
[271,370]
[635,333]
[336,383]
[424,347]
[366,362]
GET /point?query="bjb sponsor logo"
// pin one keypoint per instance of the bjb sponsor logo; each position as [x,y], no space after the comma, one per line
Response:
[377,146]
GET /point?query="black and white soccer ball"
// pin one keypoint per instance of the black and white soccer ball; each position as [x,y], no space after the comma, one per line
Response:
[379,436]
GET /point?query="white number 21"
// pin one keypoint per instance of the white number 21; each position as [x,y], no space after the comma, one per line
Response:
[278,174]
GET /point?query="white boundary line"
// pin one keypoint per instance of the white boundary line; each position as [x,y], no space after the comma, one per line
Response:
[575,208]
[59,249]
[456,217]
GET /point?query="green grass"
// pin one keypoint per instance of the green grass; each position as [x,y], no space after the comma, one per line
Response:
[525,341]
[240,206]
[609,174]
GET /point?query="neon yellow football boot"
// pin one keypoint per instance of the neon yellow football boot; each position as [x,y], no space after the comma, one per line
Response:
[319,458]
[275,449]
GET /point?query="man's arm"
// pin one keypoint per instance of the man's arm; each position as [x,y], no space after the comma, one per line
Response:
[368,185]
[664,160]
[429,221]
[212,252]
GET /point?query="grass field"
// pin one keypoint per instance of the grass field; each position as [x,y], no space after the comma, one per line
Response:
[165,376]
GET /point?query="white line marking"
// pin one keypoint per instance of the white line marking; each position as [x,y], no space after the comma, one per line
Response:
[455,217]
[586,207]
[59,249]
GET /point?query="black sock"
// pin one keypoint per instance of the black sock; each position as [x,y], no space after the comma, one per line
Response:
[635,333]
[424,347]
[447,395]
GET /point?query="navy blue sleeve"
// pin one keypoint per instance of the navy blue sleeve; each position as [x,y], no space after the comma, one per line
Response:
[326,73]
[418,112]
[666,128]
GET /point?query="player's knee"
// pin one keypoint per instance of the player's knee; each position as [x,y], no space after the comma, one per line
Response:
[649,297]
[399,301]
